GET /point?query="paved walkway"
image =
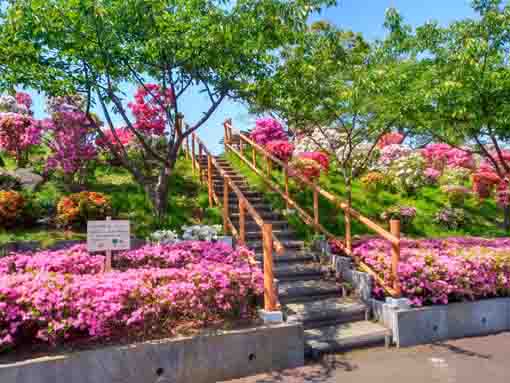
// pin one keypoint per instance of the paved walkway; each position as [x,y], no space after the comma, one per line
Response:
[477,360]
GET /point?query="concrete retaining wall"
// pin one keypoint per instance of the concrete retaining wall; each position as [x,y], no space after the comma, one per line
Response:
[361,282]
[200,359]
[438,323]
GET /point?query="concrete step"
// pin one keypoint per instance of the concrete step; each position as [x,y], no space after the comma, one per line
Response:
[266,216]
[287,244]
[280,234]
[253,226]
[289,257]
[303,291]
[297,272]
[325,312]
[346,336]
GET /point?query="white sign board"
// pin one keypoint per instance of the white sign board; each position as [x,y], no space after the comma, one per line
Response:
[108,235]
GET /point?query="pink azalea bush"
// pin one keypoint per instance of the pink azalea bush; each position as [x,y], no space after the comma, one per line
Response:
[61,296]
[19,131]
[267,130]
[440,155]
[72,135]
[280,149]
[439,271]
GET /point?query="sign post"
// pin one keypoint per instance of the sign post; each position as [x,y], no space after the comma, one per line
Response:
[108,236]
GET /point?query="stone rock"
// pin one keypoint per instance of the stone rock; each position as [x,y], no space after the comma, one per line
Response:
[28,179]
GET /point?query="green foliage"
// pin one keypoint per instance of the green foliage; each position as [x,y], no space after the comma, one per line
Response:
[428,202]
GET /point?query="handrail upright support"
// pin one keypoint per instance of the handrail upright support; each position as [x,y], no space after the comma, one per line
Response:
[210,180]
[225,206]
[242,223]
[193,153]
[270,301]
[286,176]
[316,210]
[253,157]
[348,229]
[395,255]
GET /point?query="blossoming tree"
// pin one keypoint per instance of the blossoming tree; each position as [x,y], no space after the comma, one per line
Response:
[460,92]
[177,47]
[325,93]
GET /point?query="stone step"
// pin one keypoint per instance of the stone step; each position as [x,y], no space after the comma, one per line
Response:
[258,207]
[287,244]
[289,257]
[329,311]
[297,272]
[302,291]
[266,216]
[280,234]
[253,226]
[345,336]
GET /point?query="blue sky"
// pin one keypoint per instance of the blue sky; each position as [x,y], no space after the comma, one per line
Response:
[365,16]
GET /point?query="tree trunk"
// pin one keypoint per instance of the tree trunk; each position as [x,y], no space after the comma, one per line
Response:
[159,192]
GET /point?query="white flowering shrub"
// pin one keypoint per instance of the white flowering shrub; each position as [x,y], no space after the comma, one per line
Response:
[408,173]
[163,237]
[201,232]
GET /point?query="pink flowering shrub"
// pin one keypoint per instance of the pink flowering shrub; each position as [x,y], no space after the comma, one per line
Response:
[72,136]
[267,130]
[432,175]
[439,271]
[280,149]
[61,296]
[19,131]
[150,108]
[440,155]
[321,158]
[390,139]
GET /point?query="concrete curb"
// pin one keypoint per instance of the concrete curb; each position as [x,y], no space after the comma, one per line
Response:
[205,358]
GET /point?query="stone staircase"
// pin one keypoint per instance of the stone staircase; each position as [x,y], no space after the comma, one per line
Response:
[307,292]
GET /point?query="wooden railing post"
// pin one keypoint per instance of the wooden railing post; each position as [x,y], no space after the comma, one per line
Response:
[253,157]
[269,292]
[225,205]
[316,210]
[286,176]
[242,225]
[395,255]
[241,146]
[269,166]
[187,147]
[193,153]
[200,168]
[210,180]
[348,234]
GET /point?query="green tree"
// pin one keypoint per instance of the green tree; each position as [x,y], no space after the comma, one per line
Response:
[327,89]
[460,91]
[94,47]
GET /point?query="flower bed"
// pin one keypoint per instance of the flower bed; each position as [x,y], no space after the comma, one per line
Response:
[440,271]
[57,297]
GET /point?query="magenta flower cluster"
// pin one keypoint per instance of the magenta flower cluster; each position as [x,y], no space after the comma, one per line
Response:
[440,271]
[267,130]
[440,155]
[61,296]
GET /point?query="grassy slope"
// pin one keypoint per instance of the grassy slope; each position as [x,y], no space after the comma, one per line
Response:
[187,204]
[484,217]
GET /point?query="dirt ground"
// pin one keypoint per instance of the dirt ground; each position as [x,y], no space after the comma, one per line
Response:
[477,360]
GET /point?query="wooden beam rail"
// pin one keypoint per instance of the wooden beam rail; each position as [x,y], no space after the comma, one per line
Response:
[392,236]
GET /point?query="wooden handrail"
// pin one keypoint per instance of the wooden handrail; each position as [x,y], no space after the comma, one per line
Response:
[392,236]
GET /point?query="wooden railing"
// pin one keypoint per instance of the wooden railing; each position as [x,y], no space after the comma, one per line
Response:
[393,236]
[269,240]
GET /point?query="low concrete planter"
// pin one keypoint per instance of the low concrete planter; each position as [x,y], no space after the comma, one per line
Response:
[413,326]
[201,359]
